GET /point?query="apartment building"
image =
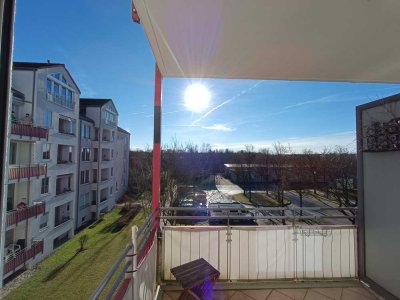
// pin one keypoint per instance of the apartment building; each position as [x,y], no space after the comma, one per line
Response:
[122,162]
[101,139]
[43,164]
[61,164]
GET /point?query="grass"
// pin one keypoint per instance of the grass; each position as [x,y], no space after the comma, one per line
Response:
[258,199]
[67,274]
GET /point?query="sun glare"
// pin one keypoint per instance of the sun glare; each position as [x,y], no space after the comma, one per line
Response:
[197,97]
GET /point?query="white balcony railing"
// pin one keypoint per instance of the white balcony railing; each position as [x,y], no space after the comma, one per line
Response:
[257,252]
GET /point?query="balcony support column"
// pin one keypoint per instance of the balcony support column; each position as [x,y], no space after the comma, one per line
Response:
[157,142]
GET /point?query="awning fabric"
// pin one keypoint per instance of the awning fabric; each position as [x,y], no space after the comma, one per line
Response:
[327,40]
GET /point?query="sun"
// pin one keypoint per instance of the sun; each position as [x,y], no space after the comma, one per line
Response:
[197,97]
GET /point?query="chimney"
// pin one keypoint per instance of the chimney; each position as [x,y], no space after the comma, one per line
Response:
[48,61]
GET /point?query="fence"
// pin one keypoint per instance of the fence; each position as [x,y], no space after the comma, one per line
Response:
[137,279]
[264,252]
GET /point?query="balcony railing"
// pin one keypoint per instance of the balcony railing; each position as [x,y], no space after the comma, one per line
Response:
[103,199]
[61,100]
[27,171]
[258,252]
[62,221]
[18,215]
[29,130]
[20,257]
[63,190]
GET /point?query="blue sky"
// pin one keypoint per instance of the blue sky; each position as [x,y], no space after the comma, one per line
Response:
[109,57]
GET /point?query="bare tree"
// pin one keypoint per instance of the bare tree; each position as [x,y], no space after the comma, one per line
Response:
[281,173]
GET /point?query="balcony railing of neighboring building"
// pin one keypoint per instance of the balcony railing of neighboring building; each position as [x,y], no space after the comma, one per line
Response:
[29,130]
[27,171]
[103,179]
[25,212]
[61,221]
[63,190]
[103,199]
[20,257]
[61,100]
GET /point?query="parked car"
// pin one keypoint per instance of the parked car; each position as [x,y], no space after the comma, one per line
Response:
[231,208]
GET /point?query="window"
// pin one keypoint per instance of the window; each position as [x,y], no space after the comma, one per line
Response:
[112,135]
[48,119]
[56,89]
[13,154]
[85,131]
[49,83]
[111,190]
[69,96]
[45,186]
[112,171]
[112,153]
[85,154]
[84,201]
[63,79]
[57,76]
[63,93]
[46,151]
[43,221]
[84,177]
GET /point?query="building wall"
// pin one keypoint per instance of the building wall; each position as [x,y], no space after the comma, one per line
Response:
[379,192]
[122,163]
[33,84]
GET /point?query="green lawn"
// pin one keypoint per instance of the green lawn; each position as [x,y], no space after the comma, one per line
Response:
[67,275]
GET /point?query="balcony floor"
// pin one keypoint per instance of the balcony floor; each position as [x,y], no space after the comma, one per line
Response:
[329,293]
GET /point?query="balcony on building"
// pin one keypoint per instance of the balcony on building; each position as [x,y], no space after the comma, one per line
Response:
[60,95]
[106,136]
[64,184]
[66,125]
[22,130]
[105,174]
[65,154]
[103,195]
[62,214]
[19,208]
[106,154]
[26,171]
[24,212]
[17,255]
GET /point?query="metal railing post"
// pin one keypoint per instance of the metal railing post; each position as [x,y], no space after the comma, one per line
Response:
[135,286]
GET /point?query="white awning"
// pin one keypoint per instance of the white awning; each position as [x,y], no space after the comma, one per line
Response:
[327,40]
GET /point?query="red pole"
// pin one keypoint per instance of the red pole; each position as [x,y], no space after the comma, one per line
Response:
[157,142]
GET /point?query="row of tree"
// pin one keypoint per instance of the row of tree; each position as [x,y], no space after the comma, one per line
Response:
[332,171]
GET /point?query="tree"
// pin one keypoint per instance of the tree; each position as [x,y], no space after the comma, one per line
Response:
[281,173]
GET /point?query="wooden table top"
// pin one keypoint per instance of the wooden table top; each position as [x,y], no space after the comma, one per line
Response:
[194,273]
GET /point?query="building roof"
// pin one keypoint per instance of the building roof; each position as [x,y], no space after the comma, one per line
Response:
[93,101]
[123,130]
[36,65]
[87,119]
[340,40]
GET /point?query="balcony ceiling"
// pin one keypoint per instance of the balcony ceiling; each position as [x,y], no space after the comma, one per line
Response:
[326,40]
